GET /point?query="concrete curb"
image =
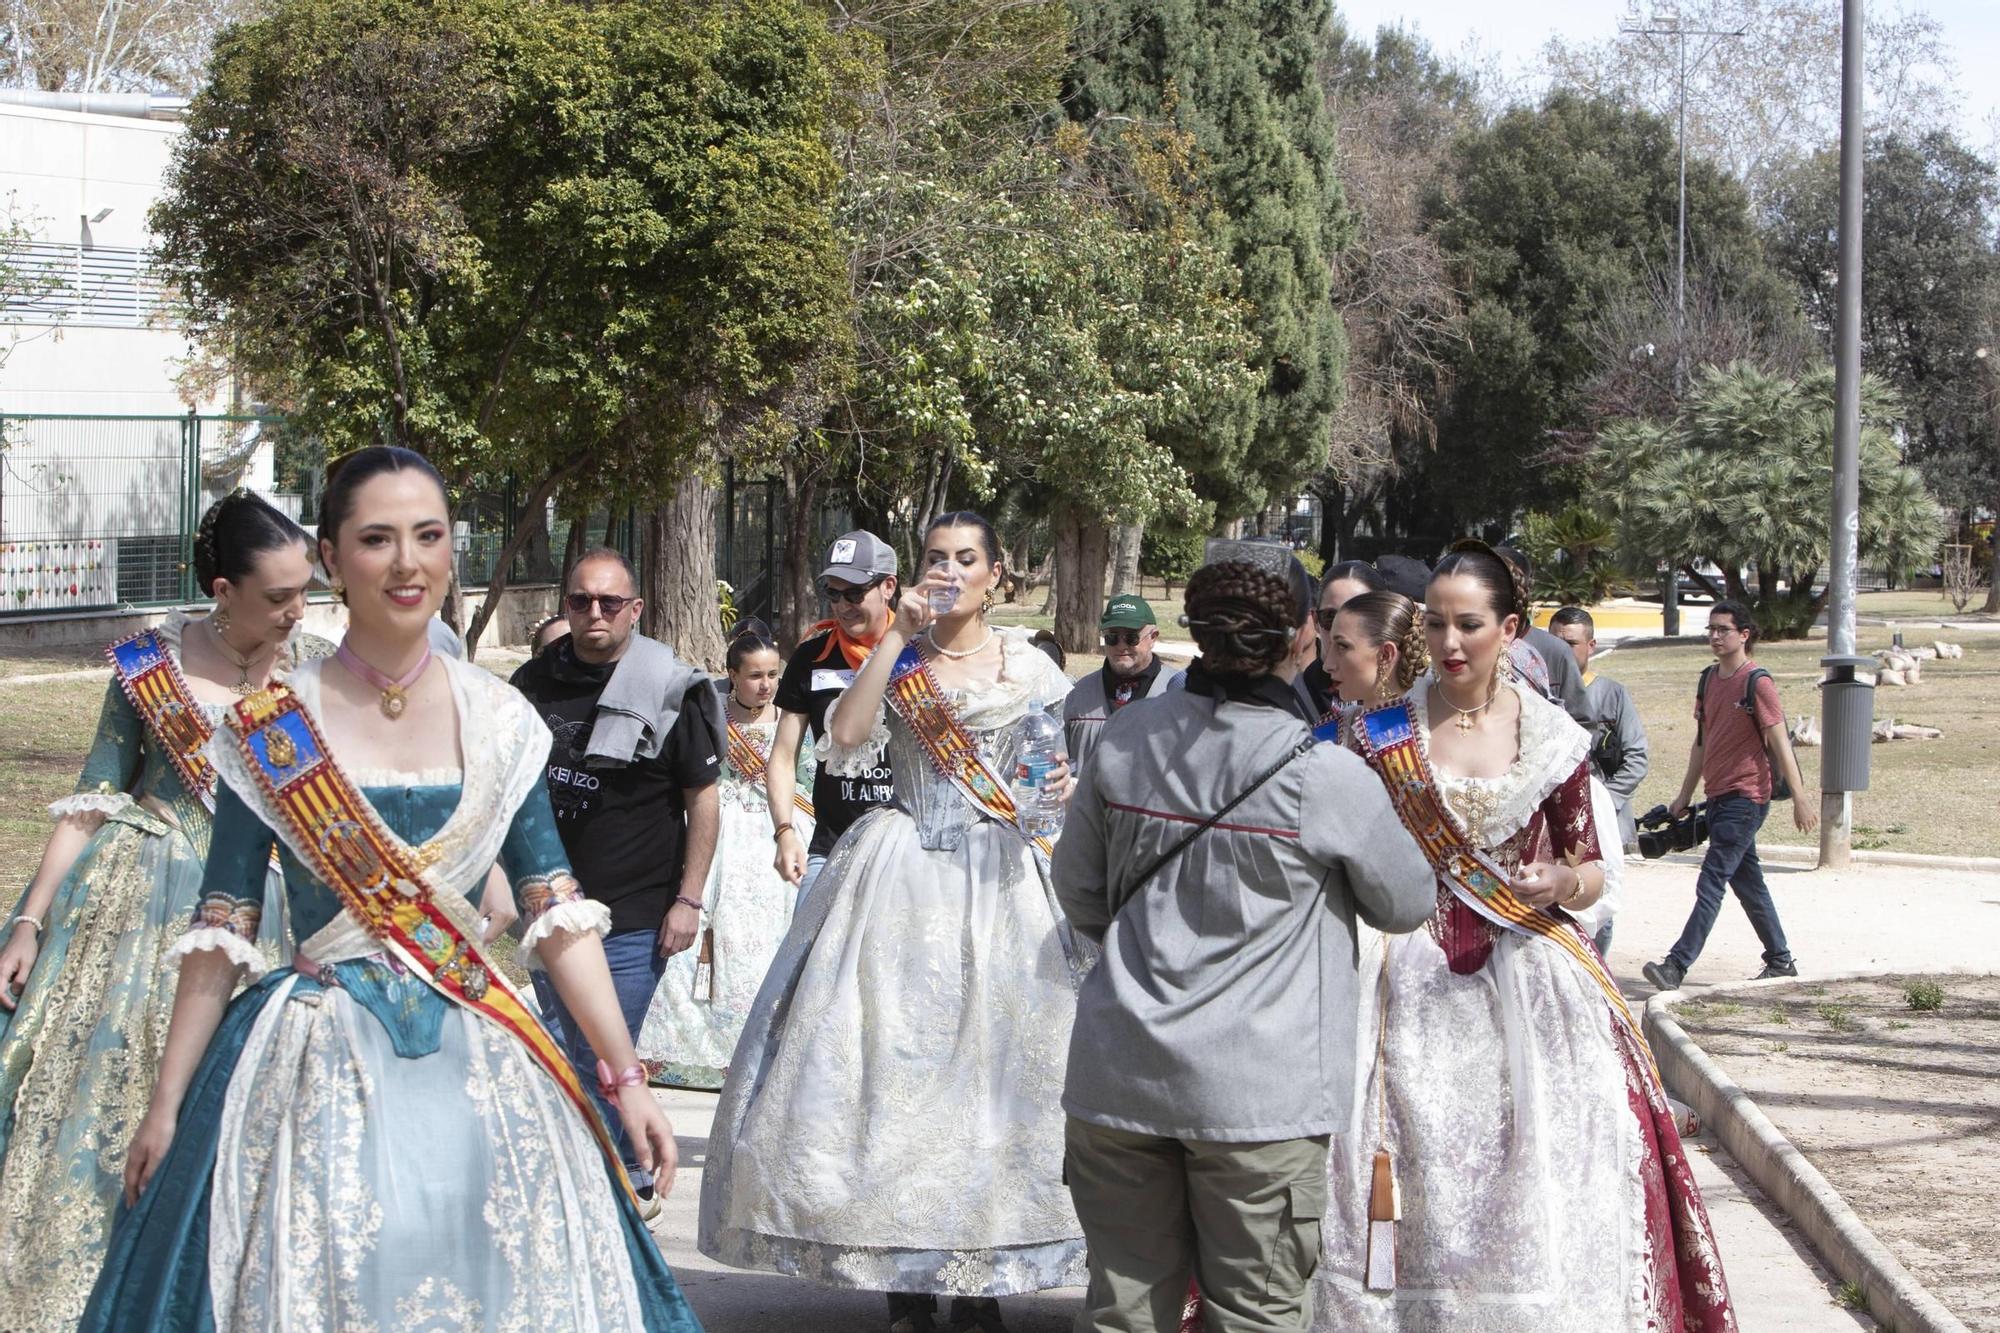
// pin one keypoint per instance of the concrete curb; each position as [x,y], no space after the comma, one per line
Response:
[1785,854]
[1895,1297]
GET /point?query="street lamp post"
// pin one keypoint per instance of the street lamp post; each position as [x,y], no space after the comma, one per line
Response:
[1836,802]
[1669,25]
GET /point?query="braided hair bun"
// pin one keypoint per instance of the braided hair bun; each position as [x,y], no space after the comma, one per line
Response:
[1389,617]
[234,531]
[1242,617]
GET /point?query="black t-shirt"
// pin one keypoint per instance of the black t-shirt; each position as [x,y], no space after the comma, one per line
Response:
[625,828]
[813,679]
[1319,687]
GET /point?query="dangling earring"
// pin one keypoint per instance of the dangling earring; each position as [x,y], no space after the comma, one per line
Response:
[986,602]
[340,592]
[1500,665]
[219,618]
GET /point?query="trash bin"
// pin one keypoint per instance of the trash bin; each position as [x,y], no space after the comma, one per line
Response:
[1847,722]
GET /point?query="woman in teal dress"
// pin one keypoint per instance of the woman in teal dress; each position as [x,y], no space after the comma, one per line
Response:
[380,1136]
[84,998]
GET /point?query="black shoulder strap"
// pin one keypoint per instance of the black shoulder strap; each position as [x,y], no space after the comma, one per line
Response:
[1755,674]
[1216,818]
[1701,703]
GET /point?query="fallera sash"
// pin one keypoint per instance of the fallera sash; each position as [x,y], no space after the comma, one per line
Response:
[750,762]
[382,883]
[152,681]
[913,692]
[1387,738]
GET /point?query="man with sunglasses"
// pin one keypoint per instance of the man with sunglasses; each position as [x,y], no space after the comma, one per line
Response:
[1131,671]
[638,745]
[859,582]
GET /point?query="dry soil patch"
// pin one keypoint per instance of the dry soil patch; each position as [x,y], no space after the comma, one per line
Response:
[1898,1107]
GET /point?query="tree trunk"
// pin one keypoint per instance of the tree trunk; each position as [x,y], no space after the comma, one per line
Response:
[1082,543]
[536,501]
[537,556]
[1992,607]
[797,603]
[573,549]
[1125,557]
[679,574]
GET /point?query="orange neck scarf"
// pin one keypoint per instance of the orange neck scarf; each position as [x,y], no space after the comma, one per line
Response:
[853,651]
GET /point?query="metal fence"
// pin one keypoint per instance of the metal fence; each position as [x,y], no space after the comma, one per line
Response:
[99,511]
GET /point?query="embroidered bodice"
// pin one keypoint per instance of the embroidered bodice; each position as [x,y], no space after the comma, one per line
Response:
[749,793]
[125,763]
[1538,810]
[991,716]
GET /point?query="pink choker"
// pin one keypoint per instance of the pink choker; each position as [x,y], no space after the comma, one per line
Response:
[395,693]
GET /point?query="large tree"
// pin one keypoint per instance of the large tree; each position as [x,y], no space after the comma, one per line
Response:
[1239,77]
[1740,478]
[1548,216]
[1756,101]
[1929,290]
[587,245]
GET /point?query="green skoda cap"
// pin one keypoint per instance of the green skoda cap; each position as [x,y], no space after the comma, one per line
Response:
[1126,611]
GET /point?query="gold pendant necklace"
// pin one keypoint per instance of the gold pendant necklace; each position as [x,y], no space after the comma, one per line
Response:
[243,687]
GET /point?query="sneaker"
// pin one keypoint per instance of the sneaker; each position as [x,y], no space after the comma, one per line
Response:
[1666,974]
[1788,968]
[650,1211]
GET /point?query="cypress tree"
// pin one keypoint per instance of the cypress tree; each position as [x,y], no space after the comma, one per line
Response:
[1240,77]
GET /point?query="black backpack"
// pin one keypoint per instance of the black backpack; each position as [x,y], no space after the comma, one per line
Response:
[1780,789]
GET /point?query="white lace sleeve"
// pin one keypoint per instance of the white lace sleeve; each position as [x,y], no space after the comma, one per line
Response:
[225,923]
[96,804]
[853,763]
[555,905]
[1602,912]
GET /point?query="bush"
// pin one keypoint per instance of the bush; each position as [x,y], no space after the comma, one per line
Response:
[1169,553]
[1925,997]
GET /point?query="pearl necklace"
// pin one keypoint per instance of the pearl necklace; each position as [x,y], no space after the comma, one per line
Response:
[957,653]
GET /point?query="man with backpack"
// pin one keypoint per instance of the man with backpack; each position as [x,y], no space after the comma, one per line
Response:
[1744,759]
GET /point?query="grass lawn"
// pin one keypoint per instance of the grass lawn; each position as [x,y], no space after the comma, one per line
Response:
[1925,796]
[1917,604]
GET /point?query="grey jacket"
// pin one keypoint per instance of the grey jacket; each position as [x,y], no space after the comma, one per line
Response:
[1087,707]
[1613,715]
[1223,1008]
[640,702]
[1565,681]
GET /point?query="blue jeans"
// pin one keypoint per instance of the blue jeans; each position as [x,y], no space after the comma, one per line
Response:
[636,969]
[1733,821]
[814,864]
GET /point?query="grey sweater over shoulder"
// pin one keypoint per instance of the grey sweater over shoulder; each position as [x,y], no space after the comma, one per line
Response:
[1223,1008]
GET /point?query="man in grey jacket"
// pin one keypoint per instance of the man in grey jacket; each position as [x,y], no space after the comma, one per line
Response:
[1132,671]
[1214,1045]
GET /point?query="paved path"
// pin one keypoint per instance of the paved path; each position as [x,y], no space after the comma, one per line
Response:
[1874,918]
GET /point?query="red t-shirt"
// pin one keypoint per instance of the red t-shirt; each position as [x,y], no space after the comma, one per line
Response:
[1733,758]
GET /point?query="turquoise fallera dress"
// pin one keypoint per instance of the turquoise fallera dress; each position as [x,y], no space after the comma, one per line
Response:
[357,1152]
[79,1055]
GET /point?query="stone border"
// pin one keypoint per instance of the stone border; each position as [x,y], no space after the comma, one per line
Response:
[1894,1296]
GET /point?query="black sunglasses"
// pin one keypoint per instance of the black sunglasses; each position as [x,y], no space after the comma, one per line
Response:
[579,603]
[1114,638]
[1323,616]
[852,596]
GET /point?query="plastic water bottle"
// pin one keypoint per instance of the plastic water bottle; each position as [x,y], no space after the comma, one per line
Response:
[1035,799]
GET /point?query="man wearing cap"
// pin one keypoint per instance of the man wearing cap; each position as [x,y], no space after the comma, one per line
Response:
[1131,671]
[859,583]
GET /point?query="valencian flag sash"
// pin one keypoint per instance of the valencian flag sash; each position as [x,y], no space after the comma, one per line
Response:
[150,678]
[1388,740]
[750,762]
[915,696]
[382,883]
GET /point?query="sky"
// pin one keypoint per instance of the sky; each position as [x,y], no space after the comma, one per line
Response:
[1515,36]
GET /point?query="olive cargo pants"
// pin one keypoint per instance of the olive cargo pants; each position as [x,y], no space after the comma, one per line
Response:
[1243,1218]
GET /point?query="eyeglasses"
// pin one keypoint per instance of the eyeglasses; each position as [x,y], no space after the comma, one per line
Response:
[1323,616]
[1714,630]
[611,604]
[852,596]
[1121,638]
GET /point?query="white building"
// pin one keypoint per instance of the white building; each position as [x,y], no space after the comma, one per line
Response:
[99,483]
